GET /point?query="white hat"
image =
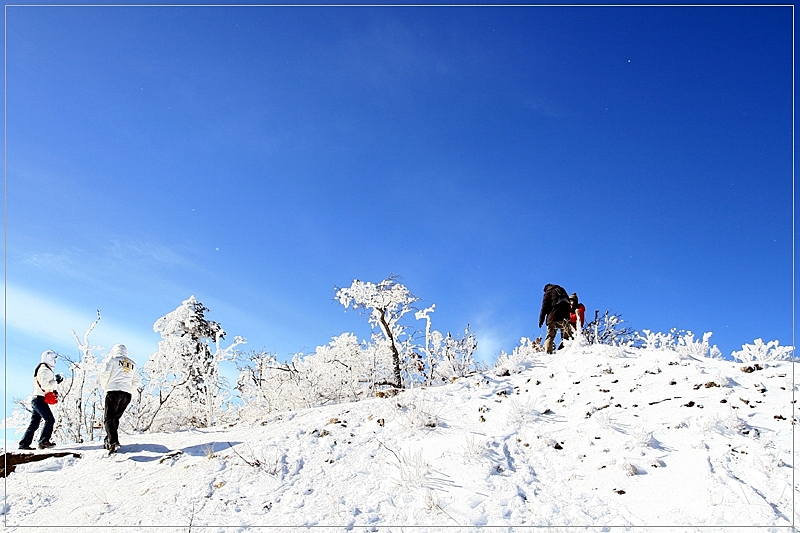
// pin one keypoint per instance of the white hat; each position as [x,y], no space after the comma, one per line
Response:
[119,349]
[49,357]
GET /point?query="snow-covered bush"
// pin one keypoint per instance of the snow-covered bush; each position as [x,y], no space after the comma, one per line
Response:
[687,346]
[521,358]
[337,372]
[608,329]
[760,351]
[447,357]
[679,341]
[343,370]
[183,386]
[266,385]
[656,341]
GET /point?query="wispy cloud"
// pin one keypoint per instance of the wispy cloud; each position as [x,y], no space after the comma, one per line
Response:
[147,252]
[63,262]
[51,321]
[545,107]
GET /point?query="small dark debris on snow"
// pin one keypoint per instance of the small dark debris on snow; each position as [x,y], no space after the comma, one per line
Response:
[750,369]
[673,382]
[723,401]
[711,384]
[558,446]
[690,404]
[619,491]
[779,417]
[171,455]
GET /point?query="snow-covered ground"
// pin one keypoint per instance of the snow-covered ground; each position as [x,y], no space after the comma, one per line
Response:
[593,436]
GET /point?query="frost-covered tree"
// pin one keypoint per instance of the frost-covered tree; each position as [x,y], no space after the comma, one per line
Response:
[338,372]
[387,302]
[266,385]
[80,415]
[446,357]
[184,386]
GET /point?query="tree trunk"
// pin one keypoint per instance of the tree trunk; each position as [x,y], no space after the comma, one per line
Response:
[398,380]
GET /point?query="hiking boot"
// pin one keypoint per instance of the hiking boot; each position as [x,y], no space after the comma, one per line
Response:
[25,447]
[45,445]
[112,448]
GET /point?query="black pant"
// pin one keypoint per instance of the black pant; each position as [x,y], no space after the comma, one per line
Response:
[40,411]
[116,403]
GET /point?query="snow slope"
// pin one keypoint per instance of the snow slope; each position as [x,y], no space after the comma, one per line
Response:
[593,436]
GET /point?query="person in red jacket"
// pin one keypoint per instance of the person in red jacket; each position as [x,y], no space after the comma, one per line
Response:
[578,311]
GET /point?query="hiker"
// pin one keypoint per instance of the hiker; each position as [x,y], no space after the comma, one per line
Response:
[120,379]
[44,392]
[578,310]
[556,307]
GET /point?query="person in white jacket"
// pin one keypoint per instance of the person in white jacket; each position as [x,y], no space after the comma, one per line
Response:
[44,381]
[120,379]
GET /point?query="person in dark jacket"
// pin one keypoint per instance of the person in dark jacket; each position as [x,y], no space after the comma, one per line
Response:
[556,309]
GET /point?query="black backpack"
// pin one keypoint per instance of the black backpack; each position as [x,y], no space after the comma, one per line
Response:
[559,294]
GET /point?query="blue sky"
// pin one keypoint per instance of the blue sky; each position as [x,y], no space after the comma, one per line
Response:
[257,157]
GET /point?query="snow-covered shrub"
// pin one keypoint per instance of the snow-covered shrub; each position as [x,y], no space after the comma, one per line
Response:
[419,413]
[656,341]
[608,329]
[687,346]
[184,387]
[520,414]
[521,358]
[447,356]
[760,351]
[341,371]
[679,341]
[473,448]
[266,385]
[337,372]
